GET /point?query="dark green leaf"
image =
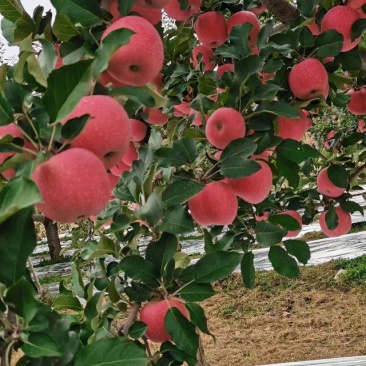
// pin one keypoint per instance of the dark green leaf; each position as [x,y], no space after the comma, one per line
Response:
[177,221]
[338,176]
[41,345]
[168,157]
[74,126]
[285,221]
[160,252]
[331,218]
[140,269]
[288,169]
[63,28]
[352,207]
[66,86]
[247,67]
[206,85]
[237,168]
[67,302]
[269,234]
[299,249]
[216,266]
[187,148]
[307,7]
[112,351]
[84,12]
[198,318]
[124,6]
[358,28]
[197,292]
[152,210]
[282,262]
[137,329]
[11,10]
[239,38]
[280,109]
[180,191]
[183,332]
[248,270]
[329,43]
[6,112]
[296,151]
[17,242]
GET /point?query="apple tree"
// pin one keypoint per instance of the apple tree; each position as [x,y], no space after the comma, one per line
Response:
[159,119]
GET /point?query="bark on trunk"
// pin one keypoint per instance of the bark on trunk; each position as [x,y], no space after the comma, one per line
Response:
[53,239]
[201,354]
[281,9]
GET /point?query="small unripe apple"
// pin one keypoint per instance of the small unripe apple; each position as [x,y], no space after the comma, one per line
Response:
[309,79]
[73,184]
[344,223]
[174,11]
[223,126]
[141,60]
[211,29]
[242,17]
[153,315]
[357,104]
[326,187]
[216,204]
[107,133]
[254,188]
[341,19]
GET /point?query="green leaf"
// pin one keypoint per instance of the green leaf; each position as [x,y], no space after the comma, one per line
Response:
[183,332]
[63,28]
[265,92]
[329,43]
[112,351]
[140,269]
[358,28]
[67,302]
[206,85]
[74,126]
[239,38]
[307,7]
[280,109]
[197,292]
[137,329]
[160,252]
[41,345]
[352,207]
[177,221]
[186,146]
[285,221]
[296,151]
[269,234]
[124,6]
[152,210]
[21,300]
[282,262]
[299,249]
[6,111]
[18,194]
[246,67]
[248,270]
[235,168]
[180,191]
[168,157]
[331,218]
[338,176]
[288,169]
[111,43]
[216,266]
[105,246]
[11,10]
[86,13]
[77,285]
[198,318]
[66,86]
[139,95]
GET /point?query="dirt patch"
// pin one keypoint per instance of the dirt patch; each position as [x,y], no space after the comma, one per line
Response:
[285,320]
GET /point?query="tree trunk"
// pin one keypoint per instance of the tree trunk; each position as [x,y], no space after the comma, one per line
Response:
[201,354]
[53,239]
[281,9]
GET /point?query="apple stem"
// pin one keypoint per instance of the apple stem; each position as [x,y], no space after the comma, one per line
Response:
[131,318]
[29,119]
[52,139]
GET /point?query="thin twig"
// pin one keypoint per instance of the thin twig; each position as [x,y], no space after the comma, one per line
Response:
[131,318]
[357,172]
[35,277]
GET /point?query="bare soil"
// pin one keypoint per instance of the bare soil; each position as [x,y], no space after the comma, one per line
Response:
[284,320]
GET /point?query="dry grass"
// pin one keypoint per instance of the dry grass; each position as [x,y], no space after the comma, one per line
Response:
[284,320]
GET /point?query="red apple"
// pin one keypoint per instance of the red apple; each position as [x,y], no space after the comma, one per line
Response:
[357,5]
[309,79]
[344,223]
[224,126]
[156,116]
[106,79]
[293,128]
[141,60]
[357,104]
[242,17]
[153,315]
[73,184]
[138,130]
[130,155]
[341,19]
[206,55]
[326,187]
[211,29]
[216,204]
[174,11]
[254,188]
[295,215]
[107,133]
[152,4]
[225,68]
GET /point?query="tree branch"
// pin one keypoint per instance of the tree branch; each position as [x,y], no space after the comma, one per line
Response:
[357,172]
[131,318]
[281,9]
